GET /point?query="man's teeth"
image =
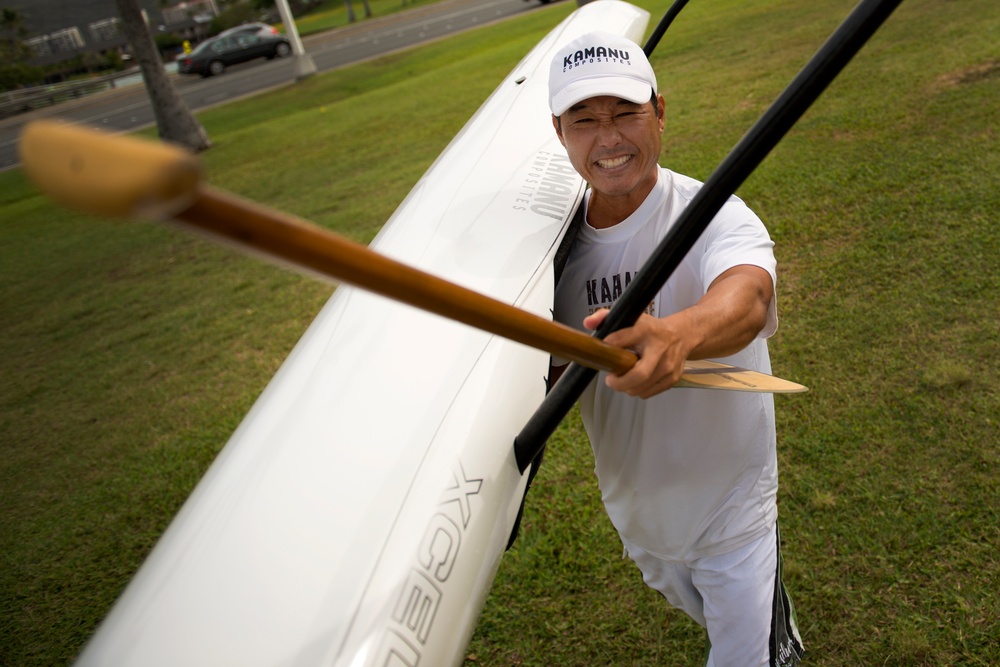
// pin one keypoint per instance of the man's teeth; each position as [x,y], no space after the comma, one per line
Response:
[615,162]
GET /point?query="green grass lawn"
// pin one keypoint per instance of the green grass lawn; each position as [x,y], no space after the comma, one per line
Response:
[333,13]
[129,352]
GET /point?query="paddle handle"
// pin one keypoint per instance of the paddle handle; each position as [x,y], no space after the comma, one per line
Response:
[115,175]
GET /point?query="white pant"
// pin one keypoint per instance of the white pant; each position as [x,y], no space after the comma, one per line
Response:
[731,595]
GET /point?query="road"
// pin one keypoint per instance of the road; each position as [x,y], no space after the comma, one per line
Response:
[128,108]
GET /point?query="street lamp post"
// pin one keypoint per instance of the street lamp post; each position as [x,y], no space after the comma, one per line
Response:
[304,65]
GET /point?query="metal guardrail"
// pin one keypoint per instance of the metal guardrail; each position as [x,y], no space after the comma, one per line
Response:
[24,100]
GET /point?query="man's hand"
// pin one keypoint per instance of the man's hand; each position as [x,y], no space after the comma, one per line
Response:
[723,322]
[662,349]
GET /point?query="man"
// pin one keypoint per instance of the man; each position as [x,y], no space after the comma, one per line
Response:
[688,477]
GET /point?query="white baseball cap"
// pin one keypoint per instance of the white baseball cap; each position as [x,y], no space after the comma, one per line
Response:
[596,64]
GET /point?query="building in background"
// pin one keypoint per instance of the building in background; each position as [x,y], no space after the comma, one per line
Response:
[65,30]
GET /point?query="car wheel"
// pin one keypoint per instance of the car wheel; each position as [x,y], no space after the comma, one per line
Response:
[282,50]
[216,67]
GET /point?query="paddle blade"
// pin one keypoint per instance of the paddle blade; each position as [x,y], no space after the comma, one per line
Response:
[106,174]
[705,374]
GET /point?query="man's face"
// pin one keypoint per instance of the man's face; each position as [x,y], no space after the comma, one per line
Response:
[614,144]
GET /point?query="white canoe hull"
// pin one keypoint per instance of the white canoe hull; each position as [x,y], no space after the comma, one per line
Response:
[359,513]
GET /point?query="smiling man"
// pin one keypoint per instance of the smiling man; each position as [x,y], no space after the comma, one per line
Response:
[689,478]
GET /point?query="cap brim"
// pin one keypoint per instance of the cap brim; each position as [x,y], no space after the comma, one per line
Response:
[633,90]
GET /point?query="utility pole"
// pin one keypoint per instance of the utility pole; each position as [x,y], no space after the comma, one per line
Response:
[304,65]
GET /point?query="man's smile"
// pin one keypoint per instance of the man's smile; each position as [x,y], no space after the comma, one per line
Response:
[611,163]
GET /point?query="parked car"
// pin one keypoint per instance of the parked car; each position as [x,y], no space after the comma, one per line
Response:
[213,55]
[251,28]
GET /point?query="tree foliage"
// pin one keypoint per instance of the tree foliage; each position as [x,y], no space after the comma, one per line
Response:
[14,53]
[13,50]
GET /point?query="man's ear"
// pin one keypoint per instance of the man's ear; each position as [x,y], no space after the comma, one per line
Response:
[557,124]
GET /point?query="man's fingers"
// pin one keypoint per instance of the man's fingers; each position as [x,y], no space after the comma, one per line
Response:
[594,320]
[642,382]
[658,367]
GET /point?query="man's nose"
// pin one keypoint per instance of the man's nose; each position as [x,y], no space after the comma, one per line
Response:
[608,133]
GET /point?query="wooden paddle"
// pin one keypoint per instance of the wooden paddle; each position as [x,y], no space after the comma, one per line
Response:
[119,176]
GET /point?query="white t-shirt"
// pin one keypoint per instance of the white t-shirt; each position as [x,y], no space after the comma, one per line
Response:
[689,472]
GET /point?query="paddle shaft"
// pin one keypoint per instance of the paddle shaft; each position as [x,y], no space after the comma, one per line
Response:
[765,134]
[121,176]
[306,246]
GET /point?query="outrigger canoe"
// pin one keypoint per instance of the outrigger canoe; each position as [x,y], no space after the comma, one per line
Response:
[358,515]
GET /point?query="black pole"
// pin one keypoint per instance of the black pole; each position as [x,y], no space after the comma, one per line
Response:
[661,27]
[807,86]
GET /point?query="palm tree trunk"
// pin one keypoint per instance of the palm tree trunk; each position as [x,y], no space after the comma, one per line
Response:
[174,120]
[350,12]
[368,10]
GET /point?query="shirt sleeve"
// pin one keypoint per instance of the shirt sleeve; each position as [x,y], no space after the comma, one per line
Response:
[736,237]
